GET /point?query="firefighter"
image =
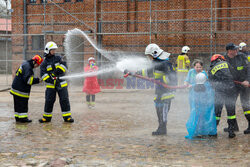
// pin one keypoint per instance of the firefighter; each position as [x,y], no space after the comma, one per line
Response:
[183,64]
[52,69]
[222,81]
[241,72]
[164,72]
[21,87]
[243,50]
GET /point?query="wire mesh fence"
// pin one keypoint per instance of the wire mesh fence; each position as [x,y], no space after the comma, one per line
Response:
[127,25]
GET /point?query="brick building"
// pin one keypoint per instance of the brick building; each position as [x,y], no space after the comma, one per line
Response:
[129,25]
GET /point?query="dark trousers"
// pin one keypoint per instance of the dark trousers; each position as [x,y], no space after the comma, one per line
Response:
[228,99]
[50,98]
[245,100]
[88,98]
[20,106]
[162,109]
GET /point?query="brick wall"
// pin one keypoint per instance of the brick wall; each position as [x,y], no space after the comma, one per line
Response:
[171,29]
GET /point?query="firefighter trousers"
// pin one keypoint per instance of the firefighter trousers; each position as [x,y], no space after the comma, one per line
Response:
[20,107]
[50,98]
[162,109]
[229,100]
[245,101]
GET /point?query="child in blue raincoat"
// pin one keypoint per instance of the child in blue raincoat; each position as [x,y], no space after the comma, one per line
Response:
[202,120]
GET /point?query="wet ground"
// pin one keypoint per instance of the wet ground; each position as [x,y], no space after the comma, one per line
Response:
[117,132]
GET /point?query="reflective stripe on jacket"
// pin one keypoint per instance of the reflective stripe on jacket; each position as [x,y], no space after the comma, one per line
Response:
[23,80]
[49,68]
[182,63]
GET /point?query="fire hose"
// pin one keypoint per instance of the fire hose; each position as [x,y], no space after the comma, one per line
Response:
[127,73]
[240,83]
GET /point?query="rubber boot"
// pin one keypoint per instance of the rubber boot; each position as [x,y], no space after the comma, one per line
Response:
[231,133]
[161,130]
[24,120]
[247,131]
[235,126]
[45,119]
[68,119]
[17,119]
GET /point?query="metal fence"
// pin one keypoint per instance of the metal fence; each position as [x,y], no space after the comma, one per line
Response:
[125,25]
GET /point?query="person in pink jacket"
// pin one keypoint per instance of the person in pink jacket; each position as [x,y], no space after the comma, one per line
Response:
[91,86]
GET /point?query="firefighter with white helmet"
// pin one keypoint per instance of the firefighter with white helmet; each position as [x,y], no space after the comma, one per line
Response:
[51,70]
[21,87]
[242,45]
[50,46]
[183,64]
[164,72]
[243,50]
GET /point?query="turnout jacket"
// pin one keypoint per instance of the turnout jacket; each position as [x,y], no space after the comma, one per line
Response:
[164,72]
[23,80]
[53,66]
[247,54]
[240,68]
[182,63]
[220,77]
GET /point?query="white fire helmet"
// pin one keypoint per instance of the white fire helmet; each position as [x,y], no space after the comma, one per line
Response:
[200,78]
[49,46]
[153,50]
[156,52]
[91,58]
[241,45]
[185,49]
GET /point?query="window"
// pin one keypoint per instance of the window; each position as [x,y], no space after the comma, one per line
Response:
[79,0]
[37,42]
[43,1]
[32,1]
[67,0]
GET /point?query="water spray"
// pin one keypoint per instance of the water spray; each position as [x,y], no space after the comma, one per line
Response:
[120,59]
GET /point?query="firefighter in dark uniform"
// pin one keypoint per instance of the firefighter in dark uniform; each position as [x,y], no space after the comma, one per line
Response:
[52,68]
[221,79]
[241,72]
[21,87]
[164,72]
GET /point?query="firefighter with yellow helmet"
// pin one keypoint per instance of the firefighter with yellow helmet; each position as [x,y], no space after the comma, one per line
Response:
[51,70]
[21,87]
[183,64]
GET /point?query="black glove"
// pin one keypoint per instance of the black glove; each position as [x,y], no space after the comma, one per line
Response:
[127,72]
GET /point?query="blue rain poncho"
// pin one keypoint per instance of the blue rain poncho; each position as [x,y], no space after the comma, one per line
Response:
[202,117]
